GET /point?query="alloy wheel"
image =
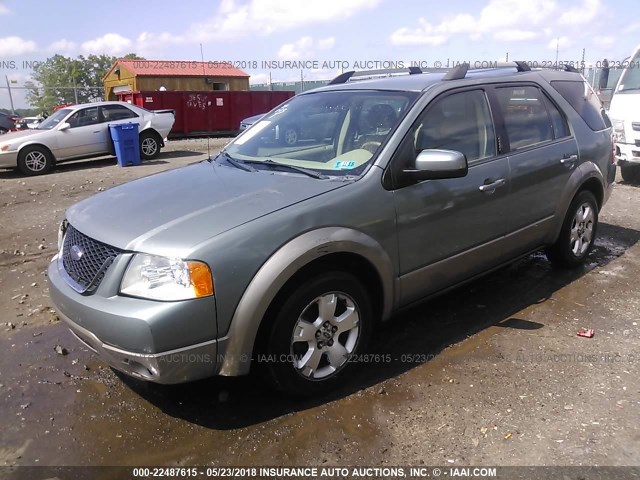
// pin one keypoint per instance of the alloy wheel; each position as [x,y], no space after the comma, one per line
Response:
[326,333]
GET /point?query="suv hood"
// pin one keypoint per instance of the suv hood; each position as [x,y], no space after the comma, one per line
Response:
[171,212]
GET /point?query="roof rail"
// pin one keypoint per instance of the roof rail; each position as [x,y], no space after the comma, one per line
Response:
[352,75]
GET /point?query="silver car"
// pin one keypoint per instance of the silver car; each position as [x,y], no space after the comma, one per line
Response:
[81,131]
[283,259]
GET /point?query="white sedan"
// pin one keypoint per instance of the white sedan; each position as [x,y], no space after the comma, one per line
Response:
[82,131]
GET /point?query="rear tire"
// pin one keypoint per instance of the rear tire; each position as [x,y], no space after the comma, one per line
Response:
[316,332]
[35,161]
[630,173]
[149,146]
[578,232]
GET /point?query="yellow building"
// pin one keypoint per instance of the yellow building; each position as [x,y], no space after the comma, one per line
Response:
[176,75]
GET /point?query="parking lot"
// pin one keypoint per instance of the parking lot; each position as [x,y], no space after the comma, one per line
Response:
[490,374]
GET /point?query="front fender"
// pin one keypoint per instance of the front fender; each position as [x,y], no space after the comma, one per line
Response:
[278,269]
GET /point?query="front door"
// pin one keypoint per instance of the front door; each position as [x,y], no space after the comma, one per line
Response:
[450,229]
[86,135]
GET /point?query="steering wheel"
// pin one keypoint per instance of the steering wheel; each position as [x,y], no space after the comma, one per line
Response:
[371,146]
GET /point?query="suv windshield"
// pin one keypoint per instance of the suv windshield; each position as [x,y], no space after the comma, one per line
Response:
[335,132]
[54,119]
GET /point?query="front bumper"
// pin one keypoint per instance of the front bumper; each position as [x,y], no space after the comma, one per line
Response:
[175,366]
[627,154]
[8,159]
[163,342]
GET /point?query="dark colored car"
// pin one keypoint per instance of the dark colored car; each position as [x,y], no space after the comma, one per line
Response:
[7,122]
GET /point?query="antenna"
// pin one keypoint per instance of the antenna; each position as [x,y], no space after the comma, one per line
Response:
[204,74]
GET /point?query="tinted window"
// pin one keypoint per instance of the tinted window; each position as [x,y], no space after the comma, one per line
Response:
[82,118]
[460,122]
[584,101]
[111,113]
[525,116]
[558,122]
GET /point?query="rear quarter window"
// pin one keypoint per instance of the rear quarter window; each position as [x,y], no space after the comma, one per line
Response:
[584,101]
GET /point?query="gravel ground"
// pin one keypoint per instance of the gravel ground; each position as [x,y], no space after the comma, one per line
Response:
[490,374]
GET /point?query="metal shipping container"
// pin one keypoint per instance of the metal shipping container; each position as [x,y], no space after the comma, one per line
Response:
[209,112]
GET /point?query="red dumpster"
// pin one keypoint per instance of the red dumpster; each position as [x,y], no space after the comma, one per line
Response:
[208,112]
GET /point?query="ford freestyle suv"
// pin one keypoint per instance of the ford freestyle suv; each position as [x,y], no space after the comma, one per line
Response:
[283,259]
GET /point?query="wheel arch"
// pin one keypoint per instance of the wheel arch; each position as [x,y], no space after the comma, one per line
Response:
[586,177]
[35,144]
[325,249]
[155,133]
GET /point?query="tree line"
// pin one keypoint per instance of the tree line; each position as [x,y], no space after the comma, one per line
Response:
[61,80]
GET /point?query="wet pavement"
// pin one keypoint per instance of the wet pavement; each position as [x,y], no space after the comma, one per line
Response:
[489,374]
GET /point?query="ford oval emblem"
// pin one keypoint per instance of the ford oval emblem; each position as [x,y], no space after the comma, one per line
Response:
[76,252]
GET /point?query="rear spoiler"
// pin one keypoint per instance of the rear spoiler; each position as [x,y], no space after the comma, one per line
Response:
[168,110]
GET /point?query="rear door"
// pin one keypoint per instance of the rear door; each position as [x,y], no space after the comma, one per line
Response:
[542,156]
[113,115]
[450,229]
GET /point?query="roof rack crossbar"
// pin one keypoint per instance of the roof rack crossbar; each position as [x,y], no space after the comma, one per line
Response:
[342,78]
[522,66]
[346,76]
[457,73]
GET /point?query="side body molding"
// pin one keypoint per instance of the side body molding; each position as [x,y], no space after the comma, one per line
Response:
[279,268]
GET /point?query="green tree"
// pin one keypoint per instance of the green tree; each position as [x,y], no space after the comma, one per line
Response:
[62,79]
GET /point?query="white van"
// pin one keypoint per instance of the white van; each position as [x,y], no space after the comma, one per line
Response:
[625,116]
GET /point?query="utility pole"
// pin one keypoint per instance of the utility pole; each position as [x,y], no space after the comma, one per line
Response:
[75,90]
[506,59]
[557,50]
[10,96]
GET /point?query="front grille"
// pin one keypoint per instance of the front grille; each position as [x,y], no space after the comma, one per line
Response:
[86,260]
[635,126]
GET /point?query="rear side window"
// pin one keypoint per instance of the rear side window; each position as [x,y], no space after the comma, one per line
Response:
[112,113]
[525,116]
[584,101]
[558,122]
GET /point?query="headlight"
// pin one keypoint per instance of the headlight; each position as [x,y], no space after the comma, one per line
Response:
[618,129]
[160,278]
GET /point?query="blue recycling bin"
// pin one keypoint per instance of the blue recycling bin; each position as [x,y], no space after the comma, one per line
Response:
[126,143]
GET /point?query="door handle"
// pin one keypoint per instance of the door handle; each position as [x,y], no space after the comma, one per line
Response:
[97,131]
[491,187]
[568,160]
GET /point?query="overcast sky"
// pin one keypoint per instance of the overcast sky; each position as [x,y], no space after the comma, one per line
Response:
[321,30]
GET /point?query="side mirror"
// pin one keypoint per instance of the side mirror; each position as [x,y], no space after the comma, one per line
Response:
[438,164]
[64,126]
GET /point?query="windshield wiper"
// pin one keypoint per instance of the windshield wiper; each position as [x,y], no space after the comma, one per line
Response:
[237,163]
[306,171]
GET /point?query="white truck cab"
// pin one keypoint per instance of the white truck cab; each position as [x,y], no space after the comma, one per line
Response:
[625,116]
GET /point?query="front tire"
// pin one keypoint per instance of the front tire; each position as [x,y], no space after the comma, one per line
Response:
[290,136]
[35,161]
[149,146]
[316,332]
[578,232]
[630,173]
